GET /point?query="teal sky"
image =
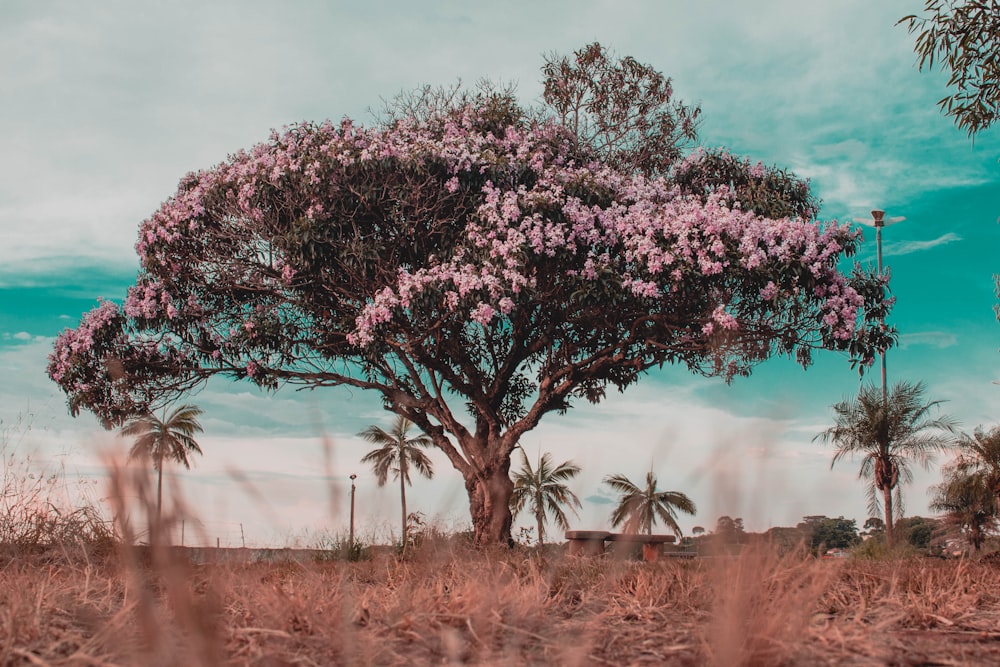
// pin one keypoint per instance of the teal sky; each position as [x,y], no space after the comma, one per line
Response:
[106,106]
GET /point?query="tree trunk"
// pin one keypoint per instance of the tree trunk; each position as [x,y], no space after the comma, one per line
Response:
[402,495]
[540,514]
[489,503]
[159,491]
[887,501]
[155,523]
[976,537]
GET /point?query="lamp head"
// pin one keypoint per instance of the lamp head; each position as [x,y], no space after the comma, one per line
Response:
[879,217]
[353,477]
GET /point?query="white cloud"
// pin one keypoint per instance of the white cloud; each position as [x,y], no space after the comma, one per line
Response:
[145,109]
[898,248]
[938,339]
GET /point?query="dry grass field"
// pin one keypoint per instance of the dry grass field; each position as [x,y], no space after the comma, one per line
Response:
[448,604]
[72,592]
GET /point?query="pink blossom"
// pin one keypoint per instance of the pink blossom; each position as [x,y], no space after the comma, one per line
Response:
[769,291]
[724,319]
[483,313]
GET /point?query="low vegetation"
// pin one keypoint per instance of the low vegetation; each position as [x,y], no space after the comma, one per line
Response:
[449,603]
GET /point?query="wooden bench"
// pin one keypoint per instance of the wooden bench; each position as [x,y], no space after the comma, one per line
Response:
[627,544]
[591,543]
[586,542]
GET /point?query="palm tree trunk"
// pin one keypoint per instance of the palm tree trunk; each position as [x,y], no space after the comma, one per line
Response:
[540,515]
[159,494]
[402,496]
[887,501]
[155,524]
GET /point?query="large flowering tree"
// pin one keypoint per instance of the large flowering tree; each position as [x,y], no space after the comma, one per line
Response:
[478,266]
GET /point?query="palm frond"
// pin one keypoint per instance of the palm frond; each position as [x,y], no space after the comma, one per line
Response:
[625,510]
[420,461]
[377,436]
[621,484]
[680,501]
[874,501]
[669,518]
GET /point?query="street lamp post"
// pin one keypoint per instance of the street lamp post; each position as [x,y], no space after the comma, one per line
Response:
[351,543]
[879,221]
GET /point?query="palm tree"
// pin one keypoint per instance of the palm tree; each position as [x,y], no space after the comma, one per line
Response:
[639,508]
[968,503]
[887,435]
[543,489]
[397,454]
[166,438]
[979,455]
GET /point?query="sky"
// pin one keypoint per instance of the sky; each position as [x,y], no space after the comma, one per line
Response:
[107,105]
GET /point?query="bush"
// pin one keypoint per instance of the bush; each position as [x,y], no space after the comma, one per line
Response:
[38,509]
[876,549]
[338,547]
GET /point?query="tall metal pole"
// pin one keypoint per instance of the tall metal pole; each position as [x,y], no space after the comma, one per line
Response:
[351,543]
[879,218]
[878,221]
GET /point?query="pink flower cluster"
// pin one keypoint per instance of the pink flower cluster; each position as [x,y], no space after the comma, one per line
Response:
[662,238]
[148,299]
[74,343]
[641,230]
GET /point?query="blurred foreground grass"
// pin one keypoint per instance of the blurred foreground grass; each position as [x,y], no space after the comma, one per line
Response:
[449,604]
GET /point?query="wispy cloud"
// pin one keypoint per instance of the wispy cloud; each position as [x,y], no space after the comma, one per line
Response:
[939,339]
[908,247]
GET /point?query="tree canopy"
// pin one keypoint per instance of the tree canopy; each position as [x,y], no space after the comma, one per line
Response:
[962,36]
[475,260]
[623,109]
[978,455]
[968,503]
[839,533]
